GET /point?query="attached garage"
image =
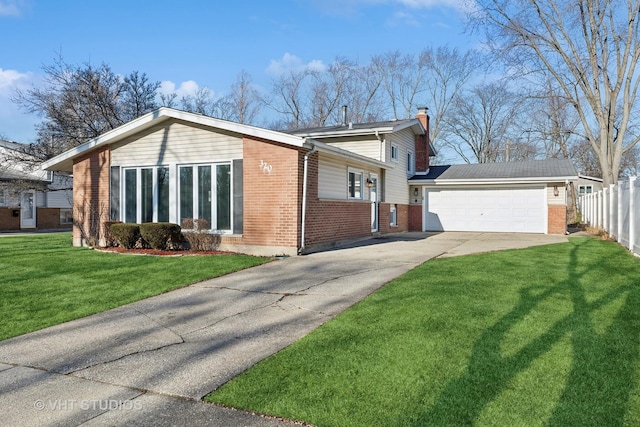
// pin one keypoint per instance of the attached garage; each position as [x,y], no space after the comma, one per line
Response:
[518,197]
[486,208]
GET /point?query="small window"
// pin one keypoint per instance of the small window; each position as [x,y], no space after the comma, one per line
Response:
[394,153]
[585,189]
[2,201]
[411,164]
[393,216]
[354,184]
[66,216]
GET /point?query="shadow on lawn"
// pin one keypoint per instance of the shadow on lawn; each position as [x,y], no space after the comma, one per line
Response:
[596,391]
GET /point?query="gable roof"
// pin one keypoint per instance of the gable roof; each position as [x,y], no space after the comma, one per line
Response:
[359,129]
[529,171]
[64,161]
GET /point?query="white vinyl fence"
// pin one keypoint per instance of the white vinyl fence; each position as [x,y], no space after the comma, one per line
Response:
[615,210]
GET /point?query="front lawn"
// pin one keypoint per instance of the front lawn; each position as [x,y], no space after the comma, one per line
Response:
[542,336]
[45,281]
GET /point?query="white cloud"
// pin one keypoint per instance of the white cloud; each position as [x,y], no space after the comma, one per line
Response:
[186,88]
[10,7]
[290,62]
[14,123]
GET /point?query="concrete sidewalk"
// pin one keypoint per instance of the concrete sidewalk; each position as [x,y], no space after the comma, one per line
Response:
[150,362]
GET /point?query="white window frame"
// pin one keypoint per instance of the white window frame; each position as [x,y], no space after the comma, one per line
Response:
[411,163]
[356,172]
[123,196]
[586,189]
[213,195]
[395,153]
[393,215]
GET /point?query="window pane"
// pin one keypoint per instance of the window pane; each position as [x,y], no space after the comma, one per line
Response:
[163,194]
[147,194]
[223,185]
[186,193]
[355,185]
[204,193]
[130,195]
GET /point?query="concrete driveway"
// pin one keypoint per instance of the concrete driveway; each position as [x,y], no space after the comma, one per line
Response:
[150,362]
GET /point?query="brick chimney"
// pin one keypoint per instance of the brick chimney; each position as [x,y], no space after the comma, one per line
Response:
[422,142]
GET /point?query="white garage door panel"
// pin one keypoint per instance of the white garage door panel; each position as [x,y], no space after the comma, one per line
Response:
[497,209]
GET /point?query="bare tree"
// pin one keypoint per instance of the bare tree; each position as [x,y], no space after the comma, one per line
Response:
[552,121]
[244,99]
[289,98]
[590,48]
[447,72]
[403,80]
[139,95]
[481,122]
[80,103]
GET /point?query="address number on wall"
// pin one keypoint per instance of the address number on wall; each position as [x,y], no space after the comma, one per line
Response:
[265,167]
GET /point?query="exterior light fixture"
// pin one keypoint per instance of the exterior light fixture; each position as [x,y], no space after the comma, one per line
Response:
[415,191]
[556,192]
[369,183]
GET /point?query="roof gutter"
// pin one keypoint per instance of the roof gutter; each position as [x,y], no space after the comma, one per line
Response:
[304,197]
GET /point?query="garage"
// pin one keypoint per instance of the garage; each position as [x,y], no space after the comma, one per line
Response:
[514,197]
[487,208]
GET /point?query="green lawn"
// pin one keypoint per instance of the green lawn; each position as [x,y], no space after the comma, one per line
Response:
[542,336]
[45,281]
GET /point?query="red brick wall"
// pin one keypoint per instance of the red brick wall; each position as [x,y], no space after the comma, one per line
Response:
[415,218]
[272,182]
[330,221]
[48,218]
[7,220]
[557,220]
[90,196]
[402,217]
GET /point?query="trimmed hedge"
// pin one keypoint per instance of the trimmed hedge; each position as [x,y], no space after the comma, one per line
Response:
[160,235]
[126,235]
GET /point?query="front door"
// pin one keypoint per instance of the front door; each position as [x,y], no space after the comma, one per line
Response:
[28,209]
[373,195]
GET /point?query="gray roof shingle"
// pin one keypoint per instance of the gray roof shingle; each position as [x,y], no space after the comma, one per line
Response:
[510,170]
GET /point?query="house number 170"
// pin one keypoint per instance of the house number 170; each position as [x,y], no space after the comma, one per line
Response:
[265,167]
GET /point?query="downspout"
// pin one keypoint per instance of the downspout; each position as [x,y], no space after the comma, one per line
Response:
[304,196]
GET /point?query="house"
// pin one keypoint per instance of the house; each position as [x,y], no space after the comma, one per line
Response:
[31,198]
[588,184]
[262,191]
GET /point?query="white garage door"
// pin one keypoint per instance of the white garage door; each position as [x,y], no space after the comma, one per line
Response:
[500,209]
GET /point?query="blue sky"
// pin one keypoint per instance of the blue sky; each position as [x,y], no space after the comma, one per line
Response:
[191,43]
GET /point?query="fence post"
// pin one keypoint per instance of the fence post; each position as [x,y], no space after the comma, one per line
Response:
[606,195]
[612,232]
[632,223]
[620,207]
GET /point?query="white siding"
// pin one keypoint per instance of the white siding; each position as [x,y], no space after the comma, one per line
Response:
[396,187]
[41,199]
[332,176]
[561,198]
[59,199]
[365,146]
[188,144]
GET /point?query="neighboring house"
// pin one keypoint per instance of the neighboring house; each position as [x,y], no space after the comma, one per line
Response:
[263,191]
[588,184]
[31,199]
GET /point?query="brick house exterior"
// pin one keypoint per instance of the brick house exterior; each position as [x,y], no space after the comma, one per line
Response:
[261,191]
